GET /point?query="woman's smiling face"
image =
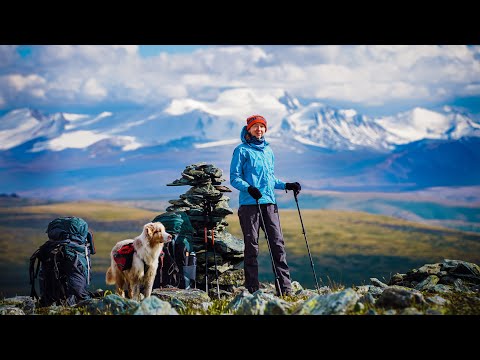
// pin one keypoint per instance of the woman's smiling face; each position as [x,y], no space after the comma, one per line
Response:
[257,130]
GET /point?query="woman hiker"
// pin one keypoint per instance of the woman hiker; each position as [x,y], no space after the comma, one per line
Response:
[252,173]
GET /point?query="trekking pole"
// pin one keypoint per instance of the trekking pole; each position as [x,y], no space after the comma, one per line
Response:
[269,250]
[215,257]
[305,235]
[208,214]
[206,258]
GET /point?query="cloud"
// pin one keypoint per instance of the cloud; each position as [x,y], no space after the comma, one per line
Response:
[20,82]
[94,89]
[362,74]
[236,104]
[22,88]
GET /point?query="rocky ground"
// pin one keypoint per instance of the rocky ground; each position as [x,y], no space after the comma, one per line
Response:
[451,287]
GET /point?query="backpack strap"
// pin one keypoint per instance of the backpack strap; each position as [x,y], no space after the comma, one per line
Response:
[57,271]
[173,268]
[162,255]
[34,273]
[87,256]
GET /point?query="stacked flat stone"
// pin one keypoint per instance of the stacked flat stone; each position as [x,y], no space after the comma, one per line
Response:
[207,189]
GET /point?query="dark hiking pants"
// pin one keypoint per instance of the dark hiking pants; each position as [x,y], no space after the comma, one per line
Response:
[250,223]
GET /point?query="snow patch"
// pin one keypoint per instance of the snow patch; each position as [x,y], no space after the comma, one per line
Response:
[348,112]
[76,140]
[74,117]
[216,143]
[306,141]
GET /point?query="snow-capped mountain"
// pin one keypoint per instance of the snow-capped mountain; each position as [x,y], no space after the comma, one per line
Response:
[419,124]
[111,154]
[314,124]
[337,129]
[128,130]
[291,103]
[22,125]
[344,129]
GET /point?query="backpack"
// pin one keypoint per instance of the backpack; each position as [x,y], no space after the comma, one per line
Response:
[168,271]
[124,256]
[62,264]
[174,254]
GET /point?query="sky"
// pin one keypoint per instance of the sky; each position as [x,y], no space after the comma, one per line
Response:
[374,79]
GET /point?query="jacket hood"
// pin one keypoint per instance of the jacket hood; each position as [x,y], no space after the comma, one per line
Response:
[243,133]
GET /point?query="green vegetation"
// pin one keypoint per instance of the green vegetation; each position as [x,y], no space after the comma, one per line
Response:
[434,210]
[218,307]
[344,233]
[102,211]
[462,305]
[458,304]
[343,244]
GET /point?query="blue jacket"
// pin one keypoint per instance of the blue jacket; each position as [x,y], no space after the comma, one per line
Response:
[253,166]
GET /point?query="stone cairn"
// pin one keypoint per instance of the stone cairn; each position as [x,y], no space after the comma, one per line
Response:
[207,206]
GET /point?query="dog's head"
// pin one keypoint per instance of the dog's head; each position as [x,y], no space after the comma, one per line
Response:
[155,233]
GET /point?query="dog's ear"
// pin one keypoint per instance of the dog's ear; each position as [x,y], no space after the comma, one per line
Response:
[149,230]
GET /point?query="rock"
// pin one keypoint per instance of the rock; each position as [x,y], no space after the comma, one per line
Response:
[332,304]
[154,306]
[461,297]
[206,207]
[378,283]
[400,297]
[25,303]
[428,283]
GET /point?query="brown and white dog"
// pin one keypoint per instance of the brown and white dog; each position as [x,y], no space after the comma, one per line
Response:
[139,278]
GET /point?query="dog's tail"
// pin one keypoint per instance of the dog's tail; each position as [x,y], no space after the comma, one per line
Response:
[110,277]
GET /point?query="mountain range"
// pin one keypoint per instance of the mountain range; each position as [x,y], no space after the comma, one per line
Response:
[135,153]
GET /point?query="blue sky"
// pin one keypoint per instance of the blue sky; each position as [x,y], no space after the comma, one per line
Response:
[373,79]
[143,50]
[154,50]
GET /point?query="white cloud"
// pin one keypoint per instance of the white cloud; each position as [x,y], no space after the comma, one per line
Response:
[19,82]
[94,89]
[130,49]
[358,74]
[236,104]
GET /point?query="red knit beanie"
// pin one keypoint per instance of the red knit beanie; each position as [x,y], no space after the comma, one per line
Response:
[256,119]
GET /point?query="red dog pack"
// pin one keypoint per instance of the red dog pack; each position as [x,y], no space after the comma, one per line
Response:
[124,256]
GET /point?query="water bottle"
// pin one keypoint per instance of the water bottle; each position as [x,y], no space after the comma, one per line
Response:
[192,259]
[190,270]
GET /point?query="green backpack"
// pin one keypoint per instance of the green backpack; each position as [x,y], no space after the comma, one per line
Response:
[68,227]
[174,255]
[63,267]
[176,222]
